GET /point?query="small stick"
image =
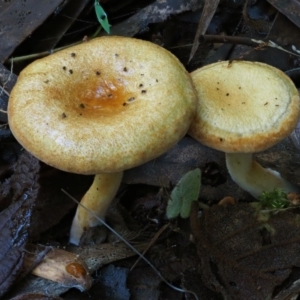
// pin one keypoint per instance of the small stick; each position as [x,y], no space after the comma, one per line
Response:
[227,40]
[247,42]
[133,249]
[160,231]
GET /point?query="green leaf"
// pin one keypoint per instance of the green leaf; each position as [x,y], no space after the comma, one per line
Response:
[185,192]
[275,199]
[101,16]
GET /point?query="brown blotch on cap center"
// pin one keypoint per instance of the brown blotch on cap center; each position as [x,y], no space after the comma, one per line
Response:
[98,97]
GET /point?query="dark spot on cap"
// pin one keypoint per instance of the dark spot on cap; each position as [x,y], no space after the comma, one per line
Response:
[141,85]
[81,105]
[64,68]
[71,71]
[46,81]
[124,104]
[98,73]
[144,91]
[63,115]
[227,94]
[73,54]
[221,140]
[131,99]
[116,54]
[109,95]
[125,69]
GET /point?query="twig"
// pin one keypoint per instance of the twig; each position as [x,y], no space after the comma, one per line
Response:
[156,236]
[247,42]
[45,53]
[227,40]
[133,249]
[39,55]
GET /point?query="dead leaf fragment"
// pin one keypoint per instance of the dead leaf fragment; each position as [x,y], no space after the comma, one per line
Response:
[95,256]
[66,268]
[22,189]
[246,253]
[18,19]
[289,8]
[154,13]
[208,12]
[49,34]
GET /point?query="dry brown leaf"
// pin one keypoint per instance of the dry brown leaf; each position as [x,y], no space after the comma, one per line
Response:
[208,12]
[15,220]
[245,253]
[289,8]
[19,19]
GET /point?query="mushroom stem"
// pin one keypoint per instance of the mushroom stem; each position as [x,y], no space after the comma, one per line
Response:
[97,199]
[253,178]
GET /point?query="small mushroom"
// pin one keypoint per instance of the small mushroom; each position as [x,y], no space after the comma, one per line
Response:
[245,107]
[108,125]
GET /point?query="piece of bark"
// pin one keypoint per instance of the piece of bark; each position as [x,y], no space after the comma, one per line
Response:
[15,220]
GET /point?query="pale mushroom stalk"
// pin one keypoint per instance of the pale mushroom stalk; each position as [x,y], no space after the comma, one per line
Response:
[97,199]
[252,177]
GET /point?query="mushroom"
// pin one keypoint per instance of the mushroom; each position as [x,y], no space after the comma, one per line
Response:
[102,107]
[245,107]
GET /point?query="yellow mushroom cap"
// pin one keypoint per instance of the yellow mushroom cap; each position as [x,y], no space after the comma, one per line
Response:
[102,106]
[243,106]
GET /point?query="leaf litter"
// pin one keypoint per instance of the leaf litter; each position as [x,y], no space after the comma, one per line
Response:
[245,252]
[15,220]
[238,251]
